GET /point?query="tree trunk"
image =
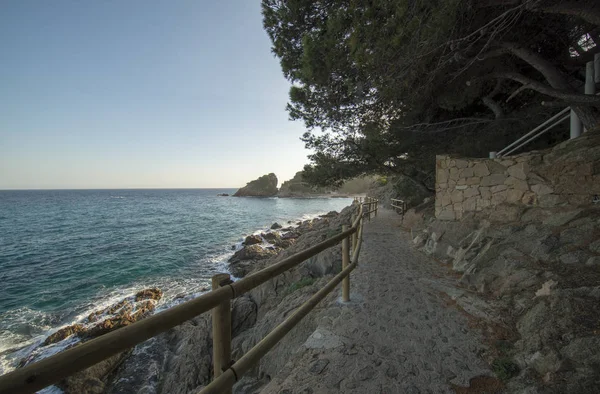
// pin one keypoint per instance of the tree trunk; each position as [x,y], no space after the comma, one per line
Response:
[588,115]
[493,106]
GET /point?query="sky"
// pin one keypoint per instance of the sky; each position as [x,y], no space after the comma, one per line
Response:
[141,94]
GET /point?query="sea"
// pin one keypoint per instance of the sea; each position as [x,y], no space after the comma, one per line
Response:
[66,253]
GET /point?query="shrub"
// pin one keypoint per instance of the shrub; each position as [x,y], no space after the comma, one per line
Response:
[306,281]
[505,368]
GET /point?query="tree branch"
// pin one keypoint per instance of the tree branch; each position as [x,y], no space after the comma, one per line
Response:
[589,11]
[547,69]
[545,89]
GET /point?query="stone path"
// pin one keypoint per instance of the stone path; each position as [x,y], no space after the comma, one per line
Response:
[396,335]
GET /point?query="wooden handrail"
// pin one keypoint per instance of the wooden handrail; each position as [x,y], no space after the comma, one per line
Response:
[53,369]
[228,378]
[401,205]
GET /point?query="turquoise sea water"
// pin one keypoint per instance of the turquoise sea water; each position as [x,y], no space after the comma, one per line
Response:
[65,253]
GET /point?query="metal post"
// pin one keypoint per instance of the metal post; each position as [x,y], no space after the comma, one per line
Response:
[590,84]
[221,325]
[597,68]
[345,264]
[576,125]
[493,155]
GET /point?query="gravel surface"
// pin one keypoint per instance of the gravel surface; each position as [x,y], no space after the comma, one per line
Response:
[396,335]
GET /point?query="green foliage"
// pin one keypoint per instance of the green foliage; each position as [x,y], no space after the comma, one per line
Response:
[306,281]
[378,84]
[505,368]
[382,180]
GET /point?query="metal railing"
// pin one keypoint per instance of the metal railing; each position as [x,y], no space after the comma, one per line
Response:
[592,77]
[55,368]
[399,205]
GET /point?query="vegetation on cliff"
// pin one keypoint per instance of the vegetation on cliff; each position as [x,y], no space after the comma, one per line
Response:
[394,82]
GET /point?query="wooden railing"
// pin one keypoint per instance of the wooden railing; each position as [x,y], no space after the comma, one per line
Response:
[399,206]
[369,203]
[53,369]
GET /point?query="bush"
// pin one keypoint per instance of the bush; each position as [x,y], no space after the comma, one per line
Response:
[382,180]
[505,368]
[306,281]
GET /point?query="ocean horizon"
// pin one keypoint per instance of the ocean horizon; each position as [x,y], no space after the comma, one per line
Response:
[67,252]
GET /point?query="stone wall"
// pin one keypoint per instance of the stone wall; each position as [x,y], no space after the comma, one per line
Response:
[566,175]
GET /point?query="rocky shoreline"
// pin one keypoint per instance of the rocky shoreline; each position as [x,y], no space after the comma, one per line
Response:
[180,360]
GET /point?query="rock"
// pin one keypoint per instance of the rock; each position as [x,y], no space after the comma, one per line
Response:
[265,186]
[223,195]
[149,294]
[276,226]
[549,200]
[561,218]
[252,240]
[271,237]
[319,366]
[63,333]
[252,252]
[519,170]
[513,195]
[544,362]
[447,214]
[577,235]
[516,183]
[493,180]
[506,213]
[243,314]
[583,351]
[290,235]
[298,187]
[495,167]
[90,381]
[285,243]
[541,189]
[575,257]
[122,319]
[594,260]
[595,246]
[481,170]
[546,288]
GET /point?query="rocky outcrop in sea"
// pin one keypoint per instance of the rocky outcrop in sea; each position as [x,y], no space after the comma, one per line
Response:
[265,186]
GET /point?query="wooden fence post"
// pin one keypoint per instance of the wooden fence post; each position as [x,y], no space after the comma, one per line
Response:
[355,236]
[345,263]
[376,207]
[221,326]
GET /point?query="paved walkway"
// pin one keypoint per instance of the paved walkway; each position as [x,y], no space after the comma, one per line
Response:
[396,335]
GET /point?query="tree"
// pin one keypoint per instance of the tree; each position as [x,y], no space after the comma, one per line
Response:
[376,83]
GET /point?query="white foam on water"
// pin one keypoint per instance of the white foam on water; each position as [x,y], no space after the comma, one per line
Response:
[17,348]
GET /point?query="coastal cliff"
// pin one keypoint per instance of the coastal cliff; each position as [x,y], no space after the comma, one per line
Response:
[265,186]
[180,360]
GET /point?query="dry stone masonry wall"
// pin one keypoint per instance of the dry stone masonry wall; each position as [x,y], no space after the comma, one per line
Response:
[568,174]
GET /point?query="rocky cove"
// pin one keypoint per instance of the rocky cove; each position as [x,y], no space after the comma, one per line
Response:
[179,361]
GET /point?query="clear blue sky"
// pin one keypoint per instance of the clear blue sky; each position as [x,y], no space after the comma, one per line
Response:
[127,94]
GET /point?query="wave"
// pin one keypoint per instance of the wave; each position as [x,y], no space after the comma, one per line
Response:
[23,330]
